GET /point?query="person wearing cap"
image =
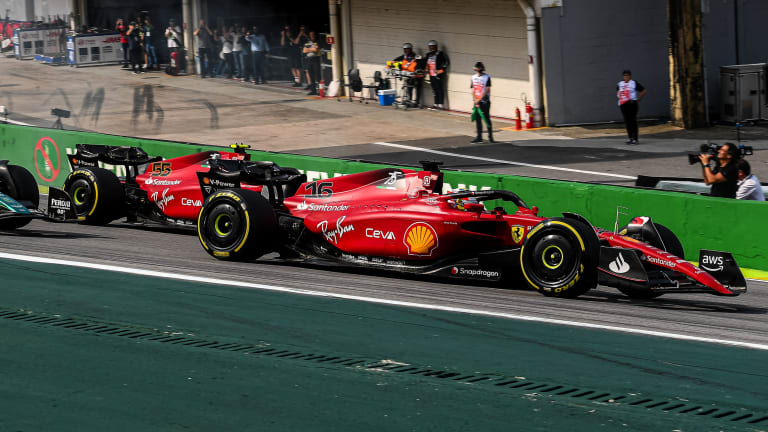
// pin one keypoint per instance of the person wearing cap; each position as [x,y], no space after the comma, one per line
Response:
[437,63]
[407,55]
[481,94]
[409,58]
[629,92]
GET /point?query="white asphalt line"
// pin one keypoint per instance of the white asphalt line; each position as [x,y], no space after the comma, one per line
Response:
[505,162]
[15,122]
[199,279]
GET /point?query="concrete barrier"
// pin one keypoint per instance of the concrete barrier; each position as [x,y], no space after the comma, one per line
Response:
[700,222]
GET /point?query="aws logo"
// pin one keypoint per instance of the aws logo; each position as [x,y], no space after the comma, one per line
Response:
[421,239]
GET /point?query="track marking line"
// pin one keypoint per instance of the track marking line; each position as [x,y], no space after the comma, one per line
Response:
[239,284]
[500,161]
[14,122]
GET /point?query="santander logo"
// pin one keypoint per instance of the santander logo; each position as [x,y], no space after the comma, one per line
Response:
[619,265]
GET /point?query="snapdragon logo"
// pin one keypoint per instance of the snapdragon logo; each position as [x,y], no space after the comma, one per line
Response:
[474,272]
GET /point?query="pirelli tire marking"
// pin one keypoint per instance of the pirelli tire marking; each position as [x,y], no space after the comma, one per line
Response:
[236,198]
[576,277]
[95,186]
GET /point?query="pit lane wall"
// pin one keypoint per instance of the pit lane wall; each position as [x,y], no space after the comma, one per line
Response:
[700,222]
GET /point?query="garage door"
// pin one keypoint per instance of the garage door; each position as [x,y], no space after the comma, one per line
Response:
[491,31]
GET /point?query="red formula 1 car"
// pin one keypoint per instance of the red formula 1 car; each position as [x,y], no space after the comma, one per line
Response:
[394,219]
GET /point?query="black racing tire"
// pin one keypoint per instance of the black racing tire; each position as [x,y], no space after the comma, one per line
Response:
[237,225]
[559,257]
[26,190]
[97,194]
[671,242]
[672,245]
[26,186]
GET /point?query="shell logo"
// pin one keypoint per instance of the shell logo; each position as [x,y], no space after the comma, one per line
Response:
[421,239]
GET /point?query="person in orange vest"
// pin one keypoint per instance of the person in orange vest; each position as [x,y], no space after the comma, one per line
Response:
[437,63]
[481,94]
[629,93]
[409,63]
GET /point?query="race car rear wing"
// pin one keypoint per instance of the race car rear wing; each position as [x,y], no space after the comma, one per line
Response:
[279,182]
[89,156]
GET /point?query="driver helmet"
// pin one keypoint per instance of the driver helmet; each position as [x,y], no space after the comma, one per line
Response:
[460,203]
[432,43]
[407,45]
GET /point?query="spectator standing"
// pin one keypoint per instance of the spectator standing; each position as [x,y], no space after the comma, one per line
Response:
[237,51]
[302,39]
[481,94]
[288,41]
[135,39]
[629,92]
[175,46]
[246,55]
[149,45]
[216,57]
[437,63]
[122,28]
[259,54]
[204,45]
[725,181]
[749,186]
[311,52]
[226,51]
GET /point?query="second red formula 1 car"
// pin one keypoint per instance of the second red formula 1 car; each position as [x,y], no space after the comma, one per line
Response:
[393,219]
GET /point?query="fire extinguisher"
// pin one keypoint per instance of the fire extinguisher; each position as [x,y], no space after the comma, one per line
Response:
[528,116]
[518,122]
[322,88]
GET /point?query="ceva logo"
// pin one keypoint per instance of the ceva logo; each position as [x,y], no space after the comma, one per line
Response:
[377,234]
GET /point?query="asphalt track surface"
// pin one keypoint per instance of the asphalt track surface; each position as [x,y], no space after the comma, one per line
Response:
[739,319]
[65,375]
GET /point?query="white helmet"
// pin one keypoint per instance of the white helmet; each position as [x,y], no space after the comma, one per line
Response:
[432,43]
[407,45]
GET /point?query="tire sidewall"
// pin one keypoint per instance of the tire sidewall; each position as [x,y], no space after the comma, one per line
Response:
[25,183]
[584,250]
[258,227]
[90,178]
[106,199]
[211,204]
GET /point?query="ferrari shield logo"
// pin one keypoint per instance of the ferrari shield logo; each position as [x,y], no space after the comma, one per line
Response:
[517,233]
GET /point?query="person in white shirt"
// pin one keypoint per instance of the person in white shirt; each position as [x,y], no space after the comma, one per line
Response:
[629,92]
[749,186]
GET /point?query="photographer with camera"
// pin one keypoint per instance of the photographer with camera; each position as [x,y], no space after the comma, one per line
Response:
[725,177]
[749,186]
